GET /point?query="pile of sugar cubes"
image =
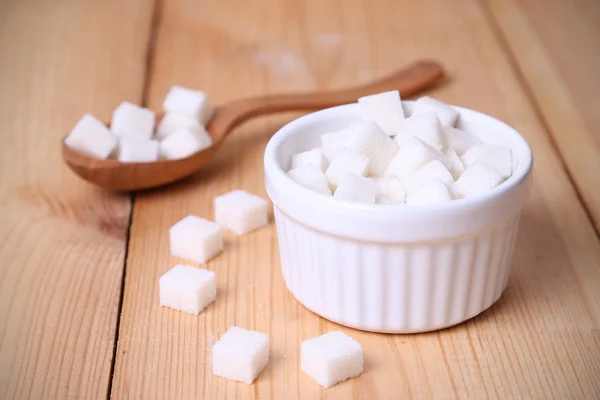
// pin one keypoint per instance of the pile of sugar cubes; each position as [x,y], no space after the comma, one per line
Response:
[391,158]
[133,136]
[242,354]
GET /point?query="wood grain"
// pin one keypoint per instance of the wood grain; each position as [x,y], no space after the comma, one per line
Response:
[62,242]
[555,46]
[540,341]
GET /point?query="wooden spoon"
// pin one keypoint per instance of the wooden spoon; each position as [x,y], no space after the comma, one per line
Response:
[115,175]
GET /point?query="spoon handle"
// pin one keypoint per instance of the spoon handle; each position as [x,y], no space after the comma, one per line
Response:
[409,81]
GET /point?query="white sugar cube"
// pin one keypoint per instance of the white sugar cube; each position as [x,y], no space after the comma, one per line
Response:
[383,108]
[331,143]
[477,179]
[172,122]
[496,156]
[187,289]
[433,193]
[311,157]
[459,140]
[452,162]
[389,191]
[191,103]
[184,142]
[432,171]
[311,178]
[426,127]
[137,150]
[240,354]
[355,187]
[196,239]
[91,137]
[367,138]
[346,161]
[241,212]
[331,358]
[445,113]
[410,158]
[132,121]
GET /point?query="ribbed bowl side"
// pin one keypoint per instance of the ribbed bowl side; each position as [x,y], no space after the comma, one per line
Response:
[395,287]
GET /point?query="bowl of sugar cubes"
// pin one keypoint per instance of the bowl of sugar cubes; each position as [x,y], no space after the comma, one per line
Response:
[397,216]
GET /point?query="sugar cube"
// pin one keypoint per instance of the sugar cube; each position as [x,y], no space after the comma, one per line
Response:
[389,191]
[426,127]
[452,162]
[367,138]
[188,289]
[137,150]
[241,212]
[91,137]
[496,156]
[311,178]
[196,239]
[446,114]
[346,161]
[191,103]
[240,354]
[331,358]
[383,108]
[477,179]
[432,171]
[311,157]
[184,142]
[132,121]
[433,193]
[355,187]
[410,158]
[172,122]
[459,140]
[331,143]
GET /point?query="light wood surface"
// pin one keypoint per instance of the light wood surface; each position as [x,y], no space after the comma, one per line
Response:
[61,260]
[556,65]
[62,243]
[114,175]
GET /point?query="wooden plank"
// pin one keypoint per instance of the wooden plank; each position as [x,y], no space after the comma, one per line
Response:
[62,241]
[556,47]
[540,341]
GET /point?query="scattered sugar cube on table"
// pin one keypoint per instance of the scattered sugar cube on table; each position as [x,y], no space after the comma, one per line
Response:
[188,289]
[172,122]
[131,120]
[479,178]
[240,354]
[241,212]
[185,142]
[311,178]
[446,114]
[346,161]
[496,156]
[435,192]
[432,171]
[91,137]
[311,157]
[410,158]
[426,127]
[196,239]
[367,138]
[191,103]
[355,187]
[331,358]
[389,191]
[459,140]
[137,150]
[385,109]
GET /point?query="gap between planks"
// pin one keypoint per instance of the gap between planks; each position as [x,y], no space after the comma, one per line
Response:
[537,108]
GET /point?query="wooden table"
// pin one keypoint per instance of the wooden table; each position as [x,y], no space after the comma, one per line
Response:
[79,313]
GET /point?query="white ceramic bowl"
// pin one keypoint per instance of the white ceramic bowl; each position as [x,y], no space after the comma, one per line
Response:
[394,268]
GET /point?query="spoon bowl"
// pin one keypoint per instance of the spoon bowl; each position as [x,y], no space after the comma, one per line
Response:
[121,176]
